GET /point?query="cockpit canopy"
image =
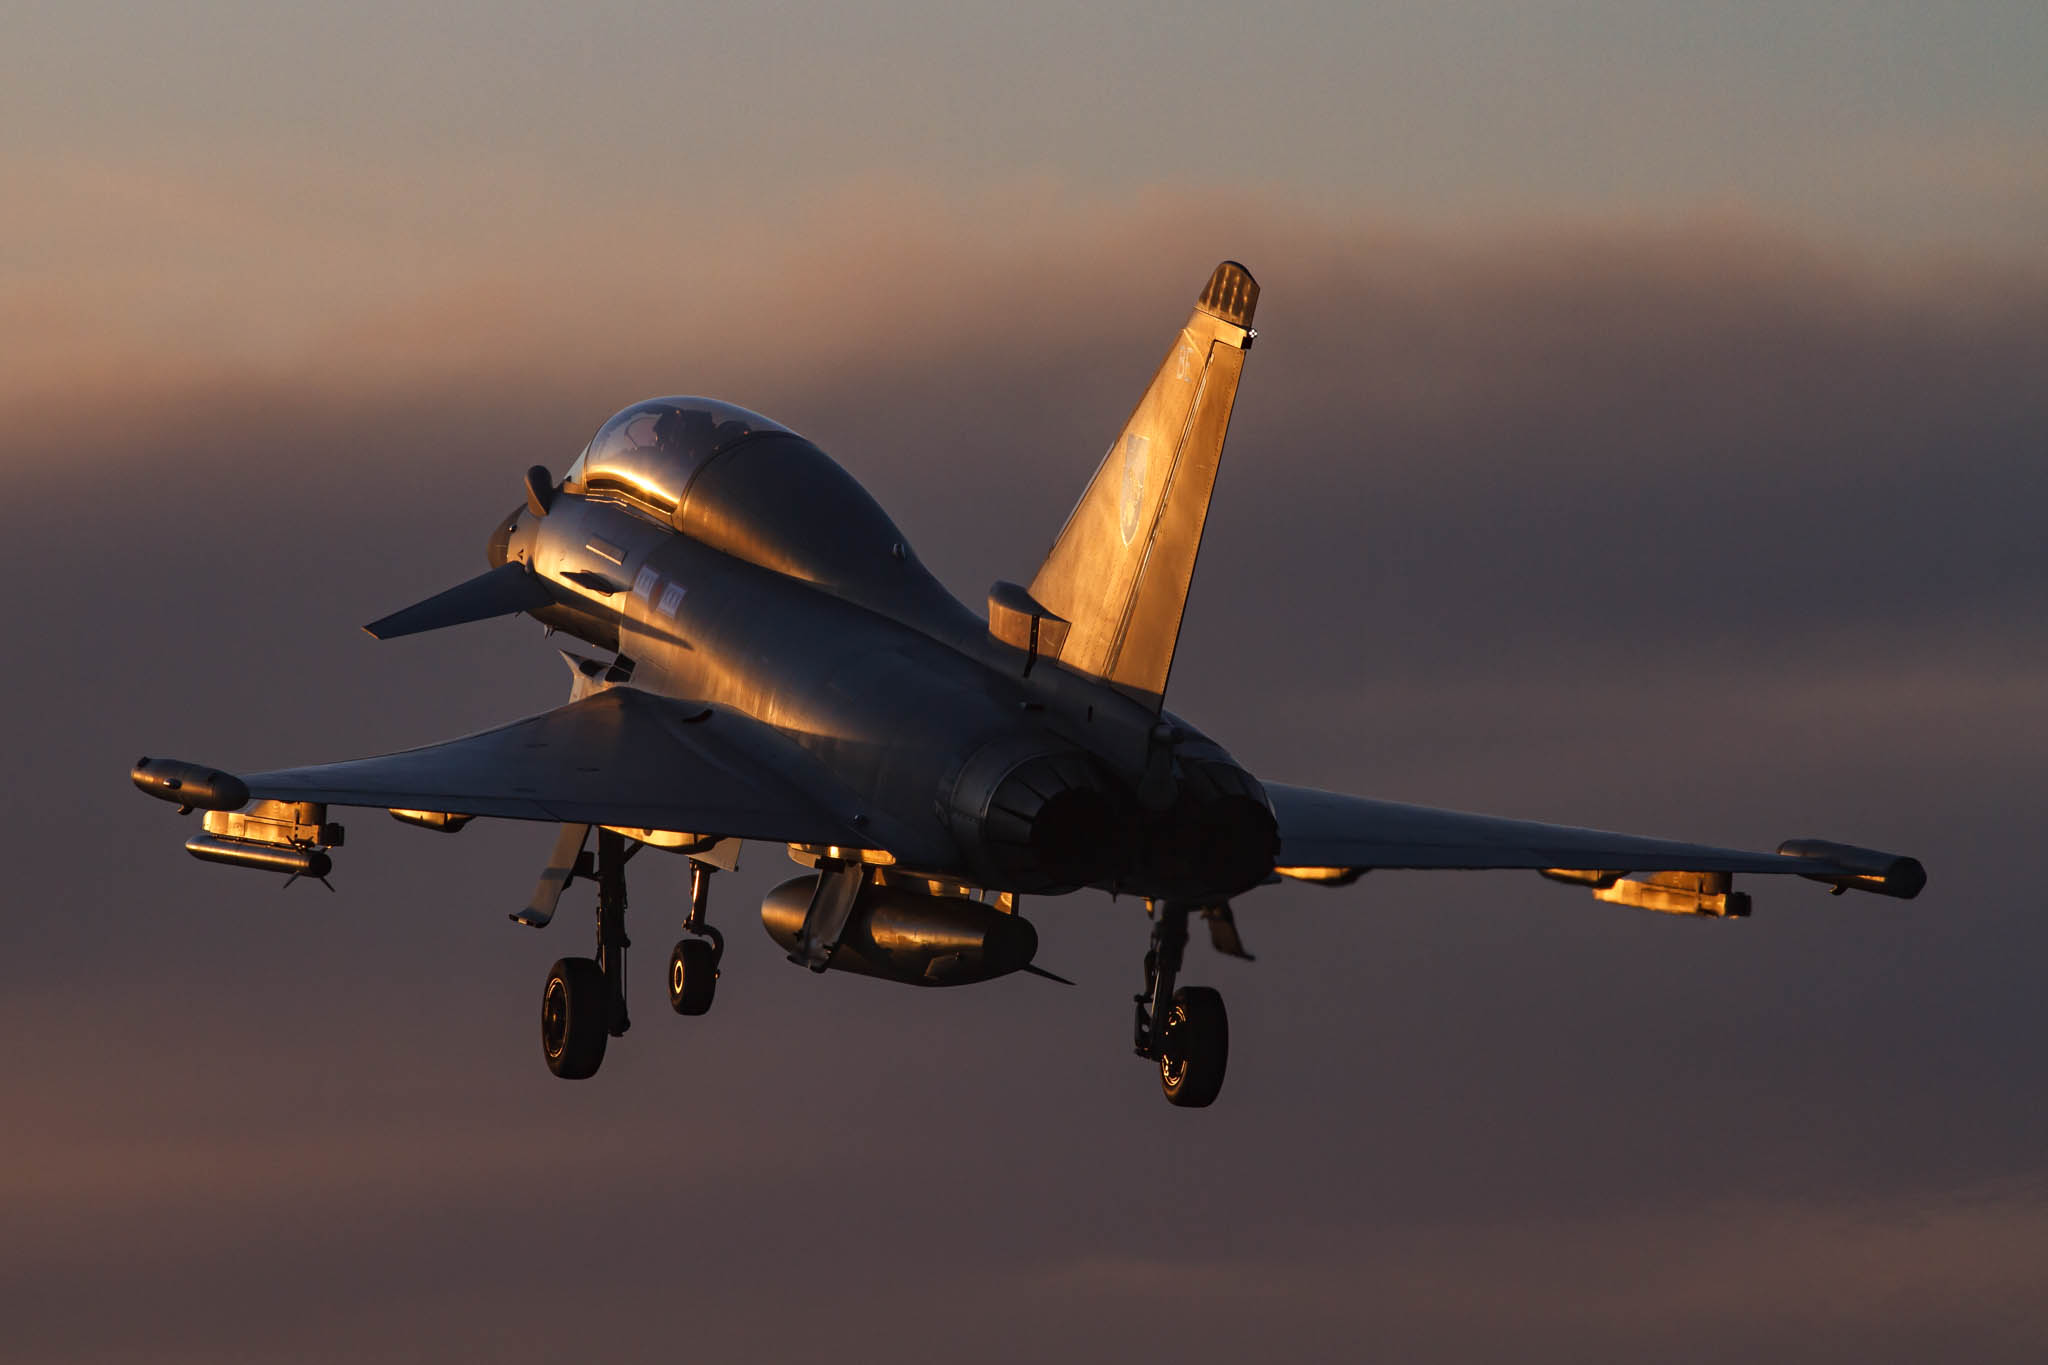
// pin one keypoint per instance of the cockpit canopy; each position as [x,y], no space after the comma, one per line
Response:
[756,490]
[650,453]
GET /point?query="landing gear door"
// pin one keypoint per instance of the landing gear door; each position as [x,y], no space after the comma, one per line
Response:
[723,855]
[555,877]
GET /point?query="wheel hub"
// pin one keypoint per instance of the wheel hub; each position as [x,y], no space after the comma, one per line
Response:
[554,1018]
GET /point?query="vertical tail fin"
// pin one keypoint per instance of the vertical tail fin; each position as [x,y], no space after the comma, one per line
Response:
[1120,570]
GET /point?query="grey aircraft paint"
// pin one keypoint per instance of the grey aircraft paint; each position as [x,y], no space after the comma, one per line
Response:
[783,668]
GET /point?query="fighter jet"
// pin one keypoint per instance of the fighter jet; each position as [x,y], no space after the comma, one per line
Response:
[769,661]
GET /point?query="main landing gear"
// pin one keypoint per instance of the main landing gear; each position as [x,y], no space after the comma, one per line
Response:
[575,1012]
[584,1003]
[1186,1030]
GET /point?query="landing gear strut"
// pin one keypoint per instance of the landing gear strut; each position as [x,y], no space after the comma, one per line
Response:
[584,1002]
[693,966]
[1186,1031]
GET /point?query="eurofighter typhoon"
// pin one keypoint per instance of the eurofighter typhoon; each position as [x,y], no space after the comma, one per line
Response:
[770,661]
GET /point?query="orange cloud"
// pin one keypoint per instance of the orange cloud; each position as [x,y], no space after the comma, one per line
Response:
[130,281]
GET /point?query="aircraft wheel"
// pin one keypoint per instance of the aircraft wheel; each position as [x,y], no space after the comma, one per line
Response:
[575,1018]
[692,976]
[1195,1047]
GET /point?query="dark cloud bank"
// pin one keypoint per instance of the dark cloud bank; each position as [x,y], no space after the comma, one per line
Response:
[1692,531]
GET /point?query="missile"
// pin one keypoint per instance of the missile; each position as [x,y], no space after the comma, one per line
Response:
[288,858]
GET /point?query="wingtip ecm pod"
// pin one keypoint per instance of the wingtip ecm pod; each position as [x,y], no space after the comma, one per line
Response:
[1860,869]
[189,786]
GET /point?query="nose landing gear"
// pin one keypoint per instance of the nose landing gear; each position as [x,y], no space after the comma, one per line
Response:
[693,966]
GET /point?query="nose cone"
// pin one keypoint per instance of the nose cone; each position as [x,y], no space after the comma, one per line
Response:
[500,548]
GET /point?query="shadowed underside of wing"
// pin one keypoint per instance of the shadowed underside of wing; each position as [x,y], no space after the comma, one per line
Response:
[621,757]
[1328,830]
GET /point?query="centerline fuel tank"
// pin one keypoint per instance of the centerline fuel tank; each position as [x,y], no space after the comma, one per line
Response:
[915,937]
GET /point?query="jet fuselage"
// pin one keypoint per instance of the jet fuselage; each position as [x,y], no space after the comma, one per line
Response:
[929,734]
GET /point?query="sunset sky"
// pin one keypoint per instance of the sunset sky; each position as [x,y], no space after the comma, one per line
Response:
[1647,429]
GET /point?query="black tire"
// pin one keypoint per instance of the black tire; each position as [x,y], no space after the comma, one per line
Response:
[575,1018]
[692,976]
[1194,1047]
